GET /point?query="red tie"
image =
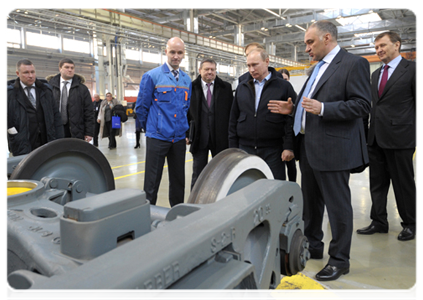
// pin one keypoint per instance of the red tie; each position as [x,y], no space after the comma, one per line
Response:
[383,80]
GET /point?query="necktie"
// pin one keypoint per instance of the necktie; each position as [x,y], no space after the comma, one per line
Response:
[300,109]
[30,96]
[64,103]
[176,74]
[209,95]
[383,80]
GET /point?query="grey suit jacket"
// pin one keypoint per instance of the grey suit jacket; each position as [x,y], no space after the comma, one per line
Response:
[336,141]
[393,115]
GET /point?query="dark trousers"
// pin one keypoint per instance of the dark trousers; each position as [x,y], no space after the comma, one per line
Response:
[112,134]
[330,189]
[272,156]
[96,132]
[200,160]
[394,165]
[156,152]
[291,168]
[66,130]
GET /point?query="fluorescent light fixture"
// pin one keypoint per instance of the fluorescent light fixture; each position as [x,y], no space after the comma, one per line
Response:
[298,26]
[273,13]
[372,17]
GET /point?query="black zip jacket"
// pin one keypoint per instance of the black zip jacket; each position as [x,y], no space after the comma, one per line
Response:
[261,128]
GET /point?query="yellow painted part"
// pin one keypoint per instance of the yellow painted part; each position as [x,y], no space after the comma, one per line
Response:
[300,287]
[17,190]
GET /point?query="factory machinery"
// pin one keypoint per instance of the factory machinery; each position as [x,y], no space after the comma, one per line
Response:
[69,228]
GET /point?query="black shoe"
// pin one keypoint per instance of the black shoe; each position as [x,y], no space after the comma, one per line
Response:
[371,229]
[406,234]
[331,273]
[316,254]
[137,146]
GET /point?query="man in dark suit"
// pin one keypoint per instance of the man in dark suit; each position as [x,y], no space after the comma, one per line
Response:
[330,142]
[211,103]
[392,137]
[33,118]
[96,109]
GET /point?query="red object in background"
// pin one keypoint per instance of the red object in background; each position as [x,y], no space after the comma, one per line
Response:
[130,99]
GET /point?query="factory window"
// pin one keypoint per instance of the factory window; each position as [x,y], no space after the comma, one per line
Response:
[223,69]
[13,38]
[42,40]
[76,46]
[151,57]
[132,54]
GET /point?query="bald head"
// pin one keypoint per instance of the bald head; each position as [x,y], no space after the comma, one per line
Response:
[175,51]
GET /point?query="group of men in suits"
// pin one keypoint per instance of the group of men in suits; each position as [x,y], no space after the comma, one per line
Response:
[322,128]
[40,111]
[330,142]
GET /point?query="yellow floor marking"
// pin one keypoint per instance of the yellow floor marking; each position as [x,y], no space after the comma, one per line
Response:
[140,162]
[300,287]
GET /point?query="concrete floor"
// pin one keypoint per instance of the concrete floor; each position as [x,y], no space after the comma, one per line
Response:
[379,261]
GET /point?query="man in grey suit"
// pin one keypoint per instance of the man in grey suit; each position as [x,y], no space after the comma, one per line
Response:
[392,137]
[330,142]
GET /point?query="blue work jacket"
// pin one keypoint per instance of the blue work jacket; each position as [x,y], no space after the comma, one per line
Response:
[163,103]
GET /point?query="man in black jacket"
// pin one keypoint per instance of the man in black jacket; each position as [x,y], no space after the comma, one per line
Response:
[74,102]
[96,109]
[252,126]
[211,102]
[33,118]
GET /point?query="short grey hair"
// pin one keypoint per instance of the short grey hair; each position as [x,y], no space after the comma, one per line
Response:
[208,60]
[324,26]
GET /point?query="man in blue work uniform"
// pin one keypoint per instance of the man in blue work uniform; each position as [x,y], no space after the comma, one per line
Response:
[162,107]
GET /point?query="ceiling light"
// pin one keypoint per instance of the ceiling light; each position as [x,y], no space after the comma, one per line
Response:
[362,19]
[273,13]
[298,26]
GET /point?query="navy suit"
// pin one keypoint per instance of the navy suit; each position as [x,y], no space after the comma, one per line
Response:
[391,144]
[333,145]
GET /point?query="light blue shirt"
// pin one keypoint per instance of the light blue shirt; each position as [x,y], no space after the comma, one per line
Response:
[392,66]
[259,87]
[327,59]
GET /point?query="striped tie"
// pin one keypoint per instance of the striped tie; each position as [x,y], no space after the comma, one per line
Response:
[176,74]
